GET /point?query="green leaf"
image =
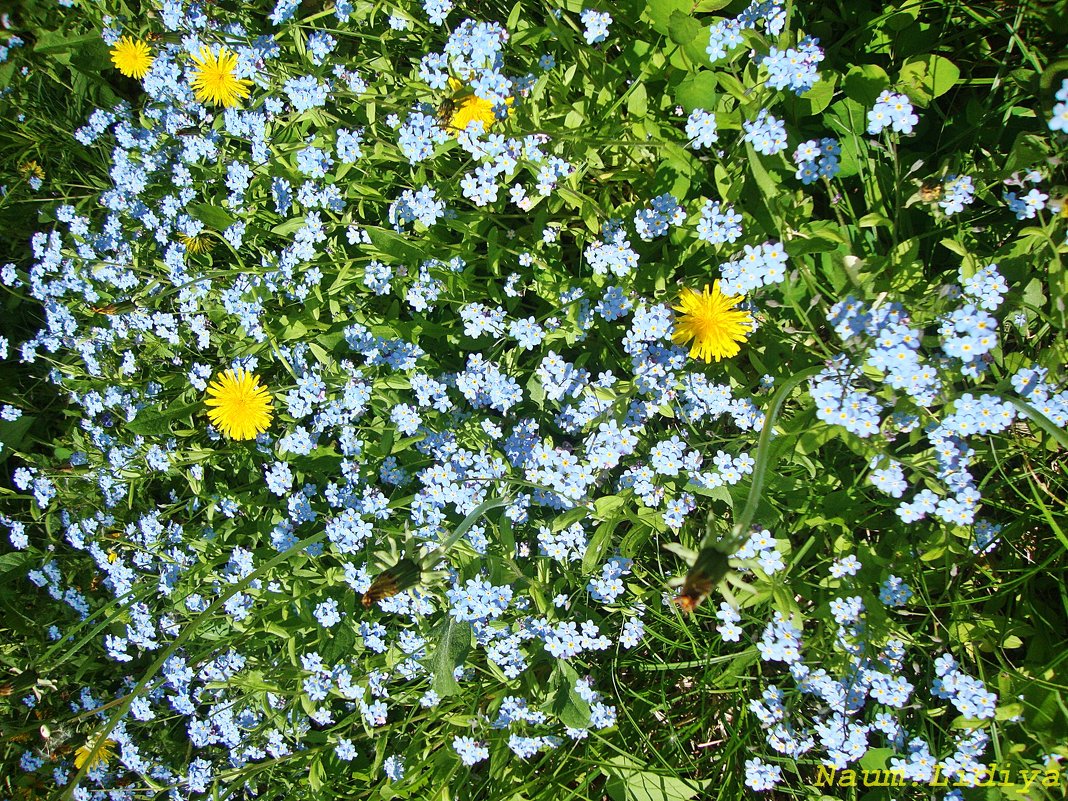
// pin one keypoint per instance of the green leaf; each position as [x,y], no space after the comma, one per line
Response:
[12,433]
[565,702]
[874,220]
[395,245]
[1027,151]
[289,227]
[697,91]
[92,58]
[212,216]
[848,118]
[904,16]
[153,422]
[514,16]
[55,42]
[1008,711]
[767,185]
[453,643]
[875,758]
[316,773]
[13,560]
[1034,293]
[638,101]
[864,82]
[605,506]
[817,237]
[660,11]
[598,544]
[7,70]
[676,169]
[735,88]
[339,644]
[1051,73]
[682,28]
[627,779]
[820,95]
[696,48]
[1044,708]
[927,77]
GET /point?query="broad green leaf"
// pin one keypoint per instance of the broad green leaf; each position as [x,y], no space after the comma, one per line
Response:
[1008,711]
[638,101]
[156,422]
[393,244]
[1052,73]
[676,170]
[905,15]
[875,758]
[874,220]
[92,58]
[515,15]
[696,48]
[1034,293]
[628,779]
[212,216]
[52,42]
[864,82]
[820,95]
[1027,151]
[927,77]
[697,91]
[599,544]
[817,237]
[565,702]
[659,12]
[451,645]
[763,178]
[12,433]
[13,560]
[316,773]
[605,507]
[682,28]
[7,70]
[289,227]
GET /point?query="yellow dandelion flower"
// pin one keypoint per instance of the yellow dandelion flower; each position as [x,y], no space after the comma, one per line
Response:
[468,108]
[103,754]
[31,169]
[214,78]
[710,320]
[201,243]
[241,405]
[131,57]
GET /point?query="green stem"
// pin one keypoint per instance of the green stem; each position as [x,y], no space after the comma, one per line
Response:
[433,556]
[741,526]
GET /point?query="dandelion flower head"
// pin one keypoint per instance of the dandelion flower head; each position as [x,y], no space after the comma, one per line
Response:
[131,57]
[472,108]
[103,754]
[31,169]
[711,321]
[214,78]
[196,244]
[239,405]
